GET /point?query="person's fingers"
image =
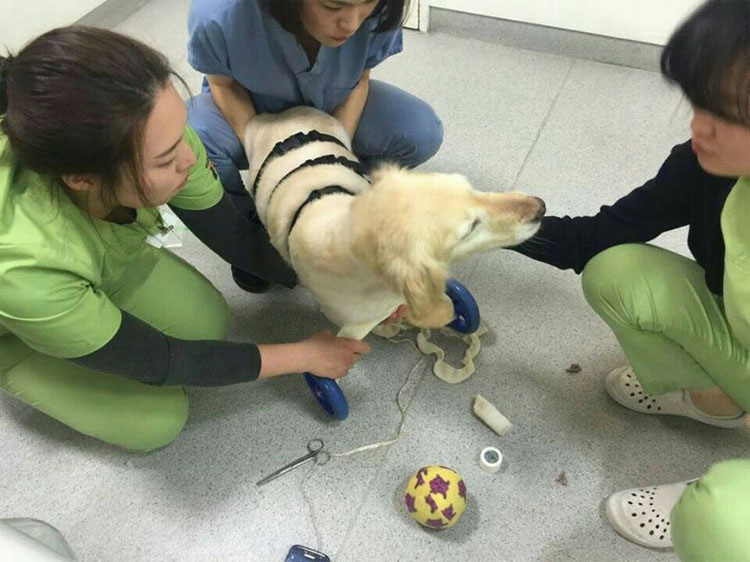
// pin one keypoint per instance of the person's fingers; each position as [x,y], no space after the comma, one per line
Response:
[360,347]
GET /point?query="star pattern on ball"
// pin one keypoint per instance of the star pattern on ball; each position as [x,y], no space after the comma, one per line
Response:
[448,513]
[409,499]
[420,479]
[439,486]
[429,500]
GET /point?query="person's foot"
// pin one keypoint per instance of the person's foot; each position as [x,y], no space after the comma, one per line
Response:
[249,282]
[624,388]
[641,515]
[714,401]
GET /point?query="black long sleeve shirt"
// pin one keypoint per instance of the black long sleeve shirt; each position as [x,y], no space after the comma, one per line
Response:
[681,194]
[141,352]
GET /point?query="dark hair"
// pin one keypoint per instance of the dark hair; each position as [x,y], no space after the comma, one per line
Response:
[709,57]
[75,101]
[390,14]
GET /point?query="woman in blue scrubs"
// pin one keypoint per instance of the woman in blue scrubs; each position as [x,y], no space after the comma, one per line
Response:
[265,56]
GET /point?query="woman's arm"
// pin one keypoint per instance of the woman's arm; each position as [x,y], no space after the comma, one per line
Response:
[207,211]
[243,243]
[661,204]
[349,111]
[141,352]
[234,102]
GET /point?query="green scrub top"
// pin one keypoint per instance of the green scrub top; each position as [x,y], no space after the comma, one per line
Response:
[60,268]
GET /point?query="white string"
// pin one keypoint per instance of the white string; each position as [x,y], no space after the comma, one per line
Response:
[401,409]
[308,500]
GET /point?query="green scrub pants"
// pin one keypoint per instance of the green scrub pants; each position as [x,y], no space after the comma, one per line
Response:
[174,298]
[675,335]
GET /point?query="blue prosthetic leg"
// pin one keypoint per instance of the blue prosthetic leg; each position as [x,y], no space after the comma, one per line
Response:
[329,394]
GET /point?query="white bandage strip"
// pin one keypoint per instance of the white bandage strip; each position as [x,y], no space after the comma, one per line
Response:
[491,416]
[442,369]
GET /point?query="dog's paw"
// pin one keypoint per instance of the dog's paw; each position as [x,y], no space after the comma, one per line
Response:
[438,316]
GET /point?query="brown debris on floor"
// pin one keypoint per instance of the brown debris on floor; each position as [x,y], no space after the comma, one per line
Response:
[562,479]
[573,369]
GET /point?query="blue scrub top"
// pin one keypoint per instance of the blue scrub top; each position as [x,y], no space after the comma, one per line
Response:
[238,38]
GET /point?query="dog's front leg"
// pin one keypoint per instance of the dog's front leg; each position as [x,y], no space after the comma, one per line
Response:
[424,292]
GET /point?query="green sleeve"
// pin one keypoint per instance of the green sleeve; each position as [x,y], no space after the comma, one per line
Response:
[203,189]
[735,228]
[56,312]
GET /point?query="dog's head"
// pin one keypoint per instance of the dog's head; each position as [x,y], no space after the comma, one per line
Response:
[411,226]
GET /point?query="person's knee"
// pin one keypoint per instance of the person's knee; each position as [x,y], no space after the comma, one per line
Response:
[416,138]
[222,145]
[614,275]
[709,522]
[607,271]
[158,427]
[201,114]
[212,317]
[194,309]
[425,136]
[429,137]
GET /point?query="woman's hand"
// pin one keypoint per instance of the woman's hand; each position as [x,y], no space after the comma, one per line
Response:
[323,354]
[331,357]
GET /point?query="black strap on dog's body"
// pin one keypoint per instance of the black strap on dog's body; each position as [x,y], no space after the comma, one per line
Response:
[297,140]
[356,167]
[314,196]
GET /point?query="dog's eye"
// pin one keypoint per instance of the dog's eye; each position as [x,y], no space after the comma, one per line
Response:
[472,228]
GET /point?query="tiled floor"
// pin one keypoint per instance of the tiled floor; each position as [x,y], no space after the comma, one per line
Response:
[576,133]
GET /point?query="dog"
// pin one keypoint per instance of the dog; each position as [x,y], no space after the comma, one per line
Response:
[363,245]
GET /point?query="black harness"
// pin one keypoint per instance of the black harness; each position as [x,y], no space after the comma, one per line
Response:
[298,140]
[295,141]
[314,196]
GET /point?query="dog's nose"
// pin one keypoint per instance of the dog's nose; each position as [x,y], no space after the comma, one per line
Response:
[542,209]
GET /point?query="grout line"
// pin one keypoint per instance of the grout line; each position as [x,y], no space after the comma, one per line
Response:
[311,509]
[544,122]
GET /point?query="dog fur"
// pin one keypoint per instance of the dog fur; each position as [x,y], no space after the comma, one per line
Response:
[393,242]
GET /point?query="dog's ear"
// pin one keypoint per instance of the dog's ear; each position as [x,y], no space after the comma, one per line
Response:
[423,288]
[400,243]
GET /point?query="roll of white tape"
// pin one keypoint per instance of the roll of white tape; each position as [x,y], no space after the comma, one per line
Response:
[490,459]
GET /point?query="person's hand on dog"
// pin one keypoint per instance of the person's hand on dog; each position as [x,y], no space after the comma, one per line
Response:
[330,356]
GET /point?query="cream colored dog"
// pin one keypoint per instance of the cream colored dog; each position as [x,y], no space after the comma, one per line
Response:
[363,246]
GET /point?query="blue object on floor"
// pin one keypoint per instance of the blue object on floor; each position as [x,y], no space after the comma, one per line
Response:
[329,394]
[467,310]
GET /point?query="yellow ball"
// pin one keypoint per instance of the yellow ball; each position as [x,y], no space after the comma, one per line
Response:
[436,497]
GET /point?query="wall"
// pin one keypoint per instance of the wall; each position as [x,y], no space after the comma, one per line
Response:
[25,19]
[648,21]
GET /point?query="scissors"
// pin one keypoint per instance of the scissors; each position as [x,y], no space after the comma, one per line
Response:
[316,453]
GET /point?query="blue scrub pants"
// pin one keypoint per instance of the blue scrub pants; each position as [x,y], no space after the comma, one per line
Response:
[395,126]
